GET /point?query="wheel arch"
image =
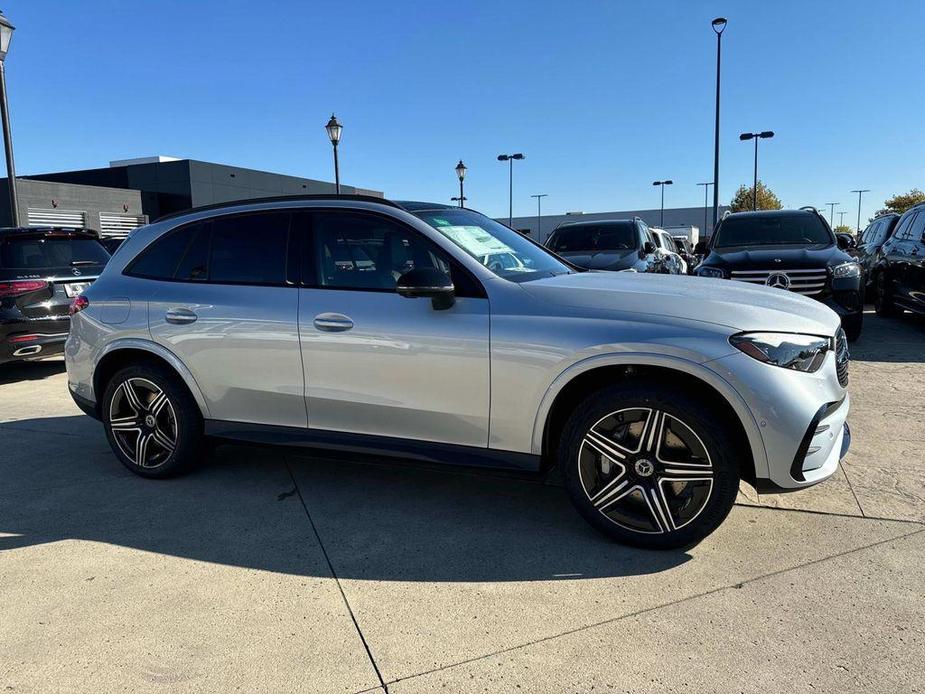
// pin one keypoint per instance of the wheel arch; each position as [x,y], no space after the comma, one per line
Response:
[125,352]
[591,374]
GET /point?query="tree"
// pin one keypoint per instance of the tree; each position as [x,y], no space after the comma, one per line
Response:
[844,229]
[743,202]
[901,202]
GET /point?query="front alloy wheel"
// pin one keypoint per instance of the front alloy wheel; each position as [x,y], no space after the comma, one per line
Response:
[649,465]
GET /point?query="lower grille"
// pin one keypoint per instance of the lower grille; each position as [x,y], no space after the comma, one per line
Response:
[841,357]
[808,282]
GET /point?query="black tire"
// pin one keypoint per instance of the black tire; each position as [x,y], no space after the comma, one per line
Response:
[852,325]
[883,299]
[709,467]
[171,425]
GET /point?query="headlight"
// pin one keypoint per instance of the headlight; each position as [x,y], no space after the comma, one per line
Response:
[846,270]
[711,272]
[800,352]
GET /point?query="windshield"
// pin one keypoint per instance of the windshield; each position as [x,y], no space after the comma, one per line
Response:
[777,230]
[44,252]
[595,237]
[504,251]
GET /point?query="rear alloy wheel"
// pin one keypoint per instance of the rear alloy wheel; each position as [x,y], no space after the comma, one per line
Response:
[152,423]
[648,468]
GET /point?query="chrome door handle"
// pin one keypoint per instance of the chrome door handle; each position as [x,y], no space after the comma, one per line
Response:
[180,316]
[332,322]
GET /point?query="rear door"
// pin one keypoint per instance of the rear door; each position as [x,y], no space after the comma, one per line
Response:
[914,281]
[229,310]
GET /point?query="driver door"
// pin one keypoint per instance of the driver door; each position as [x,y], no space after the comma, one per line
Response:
[375,362]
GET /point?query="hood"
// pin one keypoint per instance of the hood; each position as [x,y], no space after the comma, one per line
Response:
[777,257]
[736,305]
[603,260]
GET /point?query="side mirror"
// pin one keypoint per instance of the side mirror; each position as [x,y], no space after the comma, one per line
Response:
[648,247]
[845,241]
[701,248]
[430,283]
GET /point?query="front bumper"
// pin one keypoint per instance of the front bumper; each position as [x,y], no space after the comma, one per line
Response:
[801,418]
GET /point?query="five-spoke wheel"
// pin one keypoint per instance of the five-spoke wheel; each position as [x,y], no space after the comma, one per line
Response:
[648,465]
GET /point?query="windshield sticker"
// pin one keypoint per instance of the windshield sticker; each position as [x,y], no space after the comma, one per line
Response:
[475,240]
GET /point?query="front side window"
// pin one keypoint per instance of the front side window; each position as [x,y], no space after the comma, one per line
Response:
[488,242]
[362,251]
[772,230]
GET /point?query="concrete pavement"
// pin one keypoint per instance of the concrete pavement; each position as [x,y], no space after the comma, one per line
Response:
[273,570]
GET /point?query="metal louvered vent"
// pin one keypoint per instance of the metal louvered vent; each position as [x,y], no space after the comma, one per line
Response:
[118,226]
[56,218]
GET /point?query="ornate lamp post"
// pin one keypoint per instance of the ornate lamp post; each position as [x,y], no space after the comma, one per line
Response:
[461,173]
[334,129]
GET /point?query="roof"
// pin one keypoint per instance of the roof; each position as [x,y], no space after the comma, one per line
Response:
[594,222]
[279,198]
[770,214]
[416,206]
[11,231]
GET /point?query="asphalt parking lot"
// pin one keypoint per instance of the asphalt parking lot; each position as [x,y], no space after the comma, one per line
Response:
[274,570]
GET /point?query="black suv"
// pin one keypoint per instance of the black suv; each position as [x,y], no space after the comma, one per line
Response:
[869,242]
[899,269]
[788,249]
[41,271]
[618,244]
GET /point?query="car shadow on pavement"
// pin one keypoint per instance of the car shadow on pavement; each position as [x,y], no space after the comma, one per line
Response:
[16,371]
[899,340]
[265,508]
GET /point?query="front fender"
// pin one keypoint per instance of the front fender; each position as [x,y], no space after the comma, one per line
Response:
[701,371]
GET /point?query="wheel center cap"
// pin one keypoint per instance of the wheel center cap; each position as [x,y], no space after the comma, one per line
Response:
[149,420]
[644,468]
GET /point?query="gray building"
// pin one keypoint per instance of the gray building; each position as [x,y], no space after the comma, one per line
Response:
[674,217]
[150,188]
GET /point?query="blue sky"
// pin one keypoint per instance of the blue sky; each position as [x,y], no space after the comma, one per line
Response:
[602,97]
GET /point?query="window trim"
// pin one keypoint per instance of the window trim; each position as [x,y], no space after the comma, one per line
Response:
[207,223]
[308,243]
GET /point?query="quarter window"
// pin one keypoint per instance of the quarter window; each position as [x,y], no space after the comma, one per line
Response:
[159,261]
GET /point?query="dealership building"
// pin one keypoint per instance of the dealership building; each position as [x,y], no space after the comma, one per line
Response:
[128,193]
[540,228]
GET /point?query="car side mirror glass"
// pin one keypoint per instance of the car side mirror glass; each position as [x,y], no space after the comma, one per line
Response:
[648,247]
[428,282]
[845,241]
[701,248]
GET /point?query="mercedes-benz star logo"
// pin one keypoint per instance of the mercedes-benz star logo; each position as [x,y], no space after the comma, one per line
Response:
[75,272]
[778,280]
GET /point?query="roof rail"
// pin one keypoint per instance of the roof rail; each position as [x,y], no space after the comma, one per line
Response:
[279,198]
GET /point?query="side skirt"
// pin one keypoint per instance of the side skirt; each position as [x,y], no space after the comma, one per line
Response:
[408,449]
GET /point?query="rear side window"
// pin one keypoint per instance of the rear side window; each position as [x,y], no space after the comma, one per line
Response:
[250,249]
[50,252]
[241,249]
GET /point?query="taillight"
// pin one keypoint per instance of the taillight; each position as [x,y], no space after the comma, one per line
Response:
[17,287]
[79,303]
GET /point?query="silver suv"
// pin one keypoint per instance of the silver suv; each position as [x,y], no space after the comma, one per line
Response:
[366,325]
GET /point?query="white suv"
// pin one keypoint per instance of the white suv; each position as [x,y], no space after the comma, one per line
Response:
[366,325]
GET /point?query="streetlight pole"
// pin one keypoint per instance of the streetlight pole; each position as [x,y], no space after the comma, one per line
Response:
[539,197]
[662,184]
[832,211]
[334,129]
[756,136]
[706,192]
[461,173]
[510,159]
[841,218]
[860,193]
[6,35]
[719,26]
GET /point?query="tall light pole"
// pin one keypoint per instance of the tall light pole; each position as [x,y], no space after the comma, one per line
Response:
[6,35]
[662,184]
[860,193]
[510,159]
[539,197]
[756,136]
[841,218]
[706,192]
[832,211]
[461,173]
[719,25]
[334,129]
